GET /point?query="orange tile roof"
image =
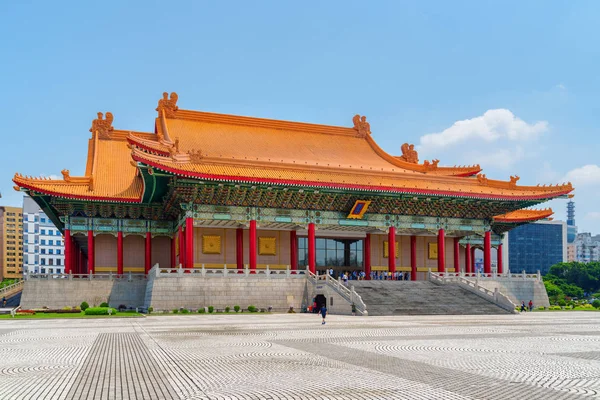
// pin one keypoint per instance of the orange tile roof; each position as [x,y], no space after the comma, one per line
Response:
[523,216]
[243,149]
[110,174]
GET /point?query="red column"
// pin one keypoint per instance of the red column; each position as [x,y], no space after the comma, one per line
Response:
[413,258]
[68,250]
[392,249]
[181,247]
[368,257]
[293,251]
[120,253]
[148,253]
[473,259]
[189,242]
[456,255]
[441,251]
[312,253]
[468,269]
[500,266]
[487,253]
[239,248]
[173,252]
[91,255]
[252,246]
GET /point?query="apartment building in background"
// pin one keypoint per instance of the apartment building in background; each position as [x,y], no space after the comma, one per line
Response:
[43,244]
[11,242]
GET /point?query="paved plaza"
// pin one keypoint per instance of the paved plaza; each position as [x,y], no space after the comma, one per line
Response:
[283,356]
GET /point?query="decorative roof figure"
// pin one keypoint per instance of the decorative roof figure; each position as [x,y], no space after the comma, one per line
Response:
[195,155]
[361,125]
[513,180]
[168,105]
[102,126]
[409,154]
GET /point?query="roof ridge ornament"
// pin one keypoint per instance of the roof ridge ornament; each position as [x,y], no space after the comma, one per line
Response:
[409,154]
[168,105]
[361,125]
[196,156]
[66,175]
[103,126]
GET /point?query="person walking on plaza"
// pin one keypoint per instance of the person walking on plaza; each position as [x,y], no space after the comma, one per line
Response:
[530,305]
[353,309]
[323,313]
[3,301]
[523,308]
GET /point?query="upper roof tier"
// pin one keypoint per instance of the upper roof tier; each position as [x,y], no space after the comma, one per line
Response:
[255,150]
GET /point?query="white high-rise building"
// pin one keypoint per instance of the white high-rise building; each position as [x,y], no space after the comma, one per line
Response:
[587,247]
[43,244]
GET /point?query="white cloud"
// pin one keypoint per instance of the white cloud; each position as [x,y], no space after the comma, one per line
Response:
[561,86]
[51,176]
[588,175]
[500,158]
[491,126]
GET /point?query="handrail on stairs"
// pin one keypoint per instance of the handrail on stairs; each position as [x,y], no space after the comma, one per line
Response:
[493,296]
[349,295]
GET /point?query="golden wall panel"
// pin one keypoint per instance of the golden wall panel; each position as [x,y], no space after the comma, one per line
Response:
[432,250]
[267,246]
[386,249]
[211,244]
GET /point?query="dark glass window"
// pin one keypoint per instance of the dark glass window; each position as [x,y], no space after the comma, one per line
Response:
[332,252]
[534,247]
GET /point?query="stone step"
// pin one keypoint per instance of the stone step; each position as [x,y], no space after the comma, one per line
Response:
[421,298]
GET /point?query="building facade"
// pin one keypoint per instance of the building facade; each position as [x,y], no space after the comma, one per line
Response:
[226,191]
[537,247]
[43,243]
[587,247]
[11,242]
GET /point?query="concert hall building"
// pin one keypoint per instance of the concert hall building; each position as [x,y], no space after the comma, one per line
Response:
[218,190]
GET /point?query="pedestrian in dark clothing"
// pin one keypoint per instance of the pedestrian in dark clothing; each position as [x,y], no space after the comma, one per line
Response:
[523,308]
[323,313]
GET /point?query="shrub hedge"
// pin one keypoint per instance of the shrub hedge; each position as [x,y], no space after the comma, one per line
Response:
[99,311]
[84,306]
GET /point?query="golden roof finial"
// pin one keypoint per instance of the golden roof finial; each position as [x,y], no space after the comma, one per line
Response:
[102,126]
[361,125]
[409,154]
[168,105]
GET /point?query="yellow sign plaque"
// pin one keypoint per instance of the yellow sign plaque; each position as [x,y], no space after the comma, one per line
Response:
[359,209]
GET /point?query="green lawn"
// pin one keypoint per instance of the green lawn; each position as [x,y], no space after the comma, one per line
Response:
[80,315]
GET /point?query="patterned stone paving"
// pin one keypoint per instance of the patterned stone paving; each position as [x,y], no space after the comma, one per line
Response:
[529,356]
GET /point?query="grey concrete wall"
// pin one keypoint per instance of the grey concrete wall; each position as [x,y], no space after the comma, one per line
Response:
[59,293]
[193,292]
[336,304]
[518,291]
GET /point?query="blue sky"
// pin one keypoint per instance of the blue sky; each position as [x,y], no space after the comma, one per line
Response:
[522,76]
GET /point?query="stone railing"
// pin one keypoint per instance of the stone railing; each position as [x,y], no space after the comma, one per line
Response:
[349,295]
[89,277]
[494,276]
[161,272]
[493,296]
[11,289]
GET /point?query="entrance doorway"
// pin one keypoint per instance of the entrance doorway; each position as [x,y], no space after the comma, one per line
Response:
[321,301]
